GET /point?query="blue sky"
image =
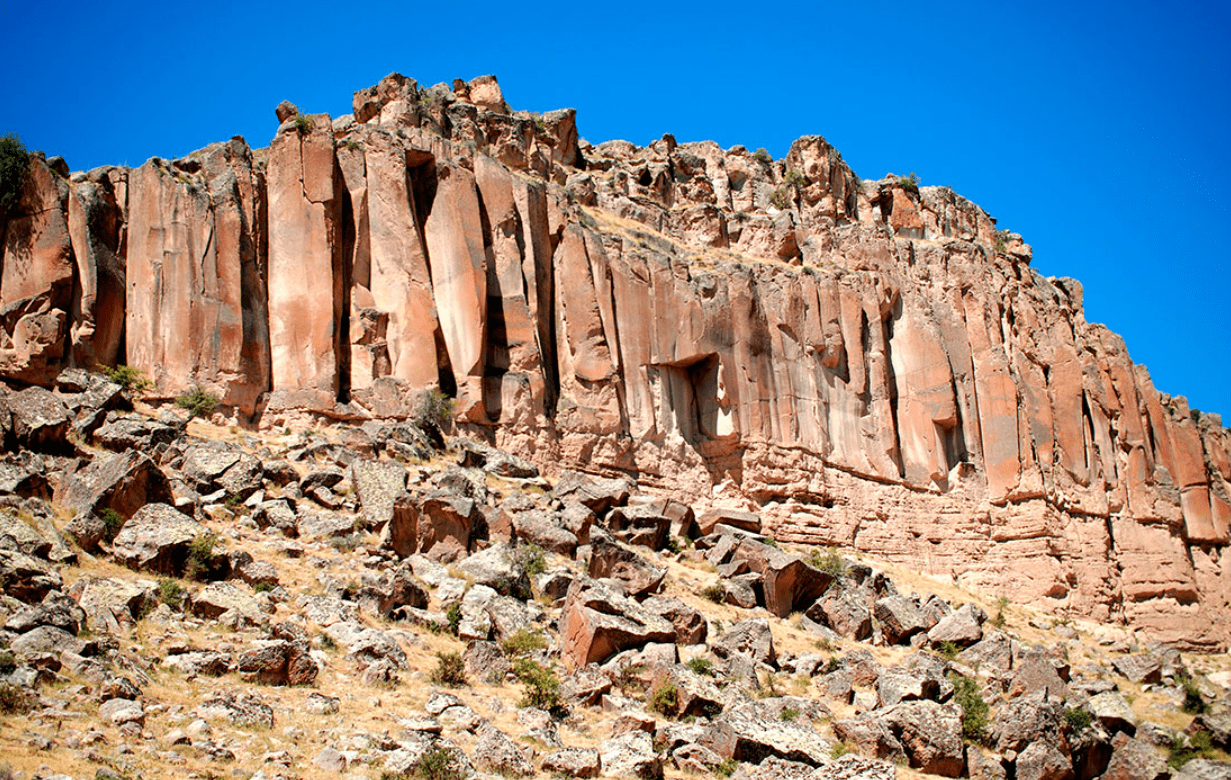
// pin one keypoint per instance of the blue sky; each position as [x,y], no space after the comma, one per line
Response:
[1097,130]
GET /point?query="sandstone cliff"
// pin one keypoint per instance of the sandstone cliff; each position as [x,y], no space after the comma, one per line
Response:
[868,363]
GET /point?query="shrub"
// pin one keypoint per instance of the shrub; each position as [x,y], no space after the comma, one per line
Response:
[434,411]
[303,124]
[450,670]
[347,543]
[542,685]
[628,681]
[523,643]
[14,162]
[726,768]
[793,178]
[830,562]
[1078,719]
[909,183]
[113,521]
[665,699]
[716,593]
[262,587]
[454,616]
[788,714]
[1194,703]
[203,563]
[839,749]
[948,651]
[1184,750]
[1002,604]
[974,709]
[701,665]
[15,700]
[781,198]
[170,592]
[436,763]
[763,155]
[772,542]
[1002,245]
[532,559]
[132,381]
[7,662]
[198,402]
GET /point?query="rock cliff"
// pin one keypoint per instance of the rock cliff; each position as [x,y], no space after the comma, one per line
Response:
[866,363]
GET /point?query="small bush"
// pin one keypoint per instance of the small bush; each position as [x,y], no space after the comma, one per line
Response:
[7,662]
[15,700]
[1002,245]
[726,768]
[781,198]
[830,562]
[198,402]
[523,643]
[1194,703]
[1002,605]
[788,714]
[629,681]
[716,593]
[14,163]
[701,665]
[532,559]
[454,616]
[203,563]
[665,699]
[772,542]
[974,710]
[347,543]
[303,124]
[542,685]
[763,155]
[794,178]
[1078,719]
[1182,751]
[948,651]
[832,665]
[262,587]
[170,592]
[113,521]
[132,381]
[839,749]
[435,411]
[450,670]
[909,183]
[436,763]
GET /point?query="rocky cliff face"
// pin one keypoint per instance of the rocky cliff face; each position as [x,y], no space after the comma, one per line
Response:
[867,363]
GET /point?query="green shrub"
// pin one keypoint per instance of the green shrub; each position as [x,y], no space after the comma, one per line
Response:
[772,542]
[948,651]
[1182,751]
[170,592]
[1002,605]
[132,381]
[909,183]
[974,710]
[303,124]
[198,402]
[203,563]
[454,616]
[701,665]
[781,198]
[788,714]
[15,700]
[1078,719]
[716,593]
[629,681]
[435,411]
[262,587]
[347,543]
[532,559]
[665,699]
[14,162]
[523,643]
[7,662]
[794,178]
[726,768]
[113,521]
[1194,703]
[829,562]
[1002,245]
[839,749]
[436,763]
[542,685]
[450,670]
[763,155]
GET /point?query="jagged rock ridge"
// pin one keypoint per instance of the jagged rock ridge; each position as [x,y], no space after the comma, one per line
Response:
[868,364]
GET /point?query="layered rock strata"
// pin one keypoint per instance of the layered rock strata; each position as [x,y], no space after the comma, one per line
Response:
[865,363]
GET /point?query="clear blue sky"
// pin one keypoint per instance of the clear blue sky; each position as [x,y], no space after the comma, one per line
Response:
[1097,130]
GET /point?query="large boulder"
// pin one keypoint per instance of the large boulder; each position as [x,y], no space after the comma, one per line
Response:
[612,560]
[646,525]
[378,484]
[598,622]
[157,539]
[790,583]
[113,604]
[743,734]
[284,659]
[931,735]
[27,578]
[597,493]
[543,529]
[751,638]
[445,524]
[690,625]
[40,420]
[630,755]
[900,618]
[124,482]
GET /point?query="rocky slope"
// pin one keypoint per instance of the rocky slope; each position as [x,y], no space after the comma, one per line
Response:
[865,363]
[361,601]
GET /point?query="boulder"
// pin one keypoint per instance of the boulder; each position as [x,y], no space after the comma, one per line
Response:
[124,482]
[227,602]
[600,495]
[690,625]
[612,560]
[598,622]
[113,604]
[541,528]
[751,638]
[646,525]
[732,518]
[378,484]
[40,421]
[790,582]
[134,432]
[494,750]
[630,755]
[401,534]
[962,628]
[56,610]
[445,525]
[741,734]
[157,539]
[572,762]
[1140,667]
[844,610]
[498,568]
[278,515]
[1112,710]
[899,617]
[286,659]
[1134,759]
[1042,761]
[930,734]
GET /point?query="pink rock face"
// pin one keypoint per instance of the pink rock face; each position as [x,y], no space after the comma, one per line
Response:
[196,311]
[305,269]
[862,363]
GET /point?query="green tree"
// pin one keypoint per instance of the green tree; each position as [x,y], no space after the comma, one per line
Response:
[14,162]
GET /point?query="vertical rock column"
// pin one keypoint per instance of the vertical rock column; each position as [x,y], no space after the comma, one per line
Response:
[305,267]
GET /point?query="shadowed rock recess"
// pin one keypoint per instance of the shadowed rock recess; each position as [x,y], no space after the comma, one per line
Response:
[868,364]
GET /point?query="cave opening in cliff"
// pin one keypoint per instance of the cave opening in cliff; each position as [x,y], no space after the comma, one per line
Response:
[690,397]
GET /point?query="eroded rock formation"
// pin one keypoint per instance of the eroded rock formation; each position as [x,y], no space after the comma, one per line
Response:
[865,363]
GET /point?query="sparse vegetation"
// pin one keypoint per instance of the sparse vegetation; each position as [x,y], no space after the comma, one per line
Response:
[132,381]
[203,563]
[435,411]
[303,124]
[7,662]
[454,615]
[975,711]
[948,651]
[450,670]
[701,665]
[113,521]
[523,643]
[170,592]
[1184,749]
[726,768]
[1194,702]
[830,562]
[664,699]
[1002,245]
[14,163]
[909,183]
[716,593]
[1078,719]
[763,155]
[15,700]
[197,401]
[542,685]
[1002,606]
[437,763]
[839,749]
[788,714]
[532,559]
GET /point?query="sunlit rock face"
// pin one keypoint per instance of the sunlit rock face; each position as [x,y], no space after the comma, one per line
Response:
[864,363]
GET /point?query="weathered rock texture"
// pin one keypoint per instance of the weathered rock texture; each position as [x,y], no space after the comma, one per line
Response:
[870,363]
